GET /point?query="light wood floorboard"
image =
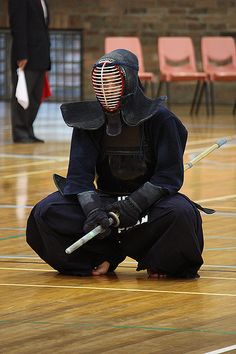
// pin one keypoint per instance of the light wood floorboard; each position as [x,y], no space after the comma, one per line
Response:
[44,312]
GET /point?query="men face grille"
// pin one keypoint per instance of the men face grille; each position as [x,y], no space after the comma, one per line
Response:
[108,84]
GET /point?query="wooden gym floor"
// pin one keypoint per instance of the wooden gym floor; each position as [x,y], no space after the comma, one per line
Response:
[44,312]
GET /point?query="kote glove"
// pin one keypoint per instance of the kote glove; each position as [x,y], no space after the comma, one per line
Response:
[94,211]
[130,209]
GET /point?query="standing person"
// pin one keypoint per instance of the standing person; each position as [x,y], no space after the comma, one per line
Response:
[30,52]
[134,147]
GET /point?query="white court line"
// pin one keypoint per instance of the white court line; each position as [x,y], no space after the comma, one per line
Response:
[226,213]
[9,206]
[35,157]
[30,269]
[33,172]
[222,350]
[225,197]
[216,278]
[221,237]
[35,163]
[217,163]
[219,266]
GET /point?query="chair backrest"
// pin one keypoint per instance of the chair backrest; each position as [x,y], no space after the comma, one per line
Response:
[130,43]
[218,53]
[176,54]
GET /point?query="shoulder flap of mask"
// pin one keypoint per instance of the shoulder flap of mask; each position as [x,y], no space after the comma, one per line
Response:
[137,108]
[86,115]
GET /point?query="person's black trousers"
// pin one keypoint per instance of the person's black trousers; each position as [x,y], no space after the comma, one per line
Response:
[22,120]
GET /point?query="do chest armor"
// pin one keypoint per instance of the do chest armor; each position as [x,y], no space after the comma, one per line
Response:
[124,159]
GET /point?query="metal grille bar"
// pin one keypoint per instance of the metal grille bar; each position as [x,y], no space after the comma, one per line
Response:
[65,76]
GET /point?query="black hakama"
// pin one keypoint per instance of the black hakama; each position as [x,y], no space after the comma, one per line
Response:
[170,241]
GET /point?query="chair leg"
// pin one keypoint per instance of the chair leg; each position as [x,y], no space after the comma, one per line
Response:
[208,99]
[212,98]
[145,86]
[196,93]
[234,108]
[199,100]
[159,88]
[153,88]
[168,94]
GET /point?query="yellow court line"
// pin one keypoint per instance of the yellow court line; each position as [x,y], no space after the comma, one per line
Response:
[70,287]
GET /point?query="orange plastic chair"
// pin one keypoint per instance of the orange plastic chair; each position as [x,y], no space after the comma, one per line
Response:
[219,60]
[177,63]
[134,45]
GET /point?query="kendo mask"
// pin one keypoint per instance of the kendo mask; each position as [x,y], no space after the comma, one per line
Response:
[114,76]
[120,98]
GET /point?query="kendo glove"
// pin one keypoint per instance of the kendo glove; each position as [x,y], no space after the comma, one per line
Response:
[94,211]
[132,207]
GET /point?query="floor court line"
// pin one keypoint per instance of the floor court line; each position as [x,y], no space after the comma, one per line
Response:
[224,197]
[94,288]
[222,350]
[28,164]
[110,325]
[220,237]
[33,173]
[12,206]
[220,249]
[35,157]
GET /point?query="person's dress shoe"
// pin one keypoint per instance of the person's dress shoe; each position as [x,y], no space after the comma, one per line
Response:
[23,141]
[31,140]
[37,140]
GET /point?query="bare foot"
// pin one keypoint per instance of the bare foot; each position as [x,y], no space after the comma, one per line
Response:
[156,274]
[101,269]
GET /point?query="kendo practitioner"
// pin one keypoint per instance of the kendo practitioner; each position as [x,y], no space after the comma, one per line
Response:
[126,158]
